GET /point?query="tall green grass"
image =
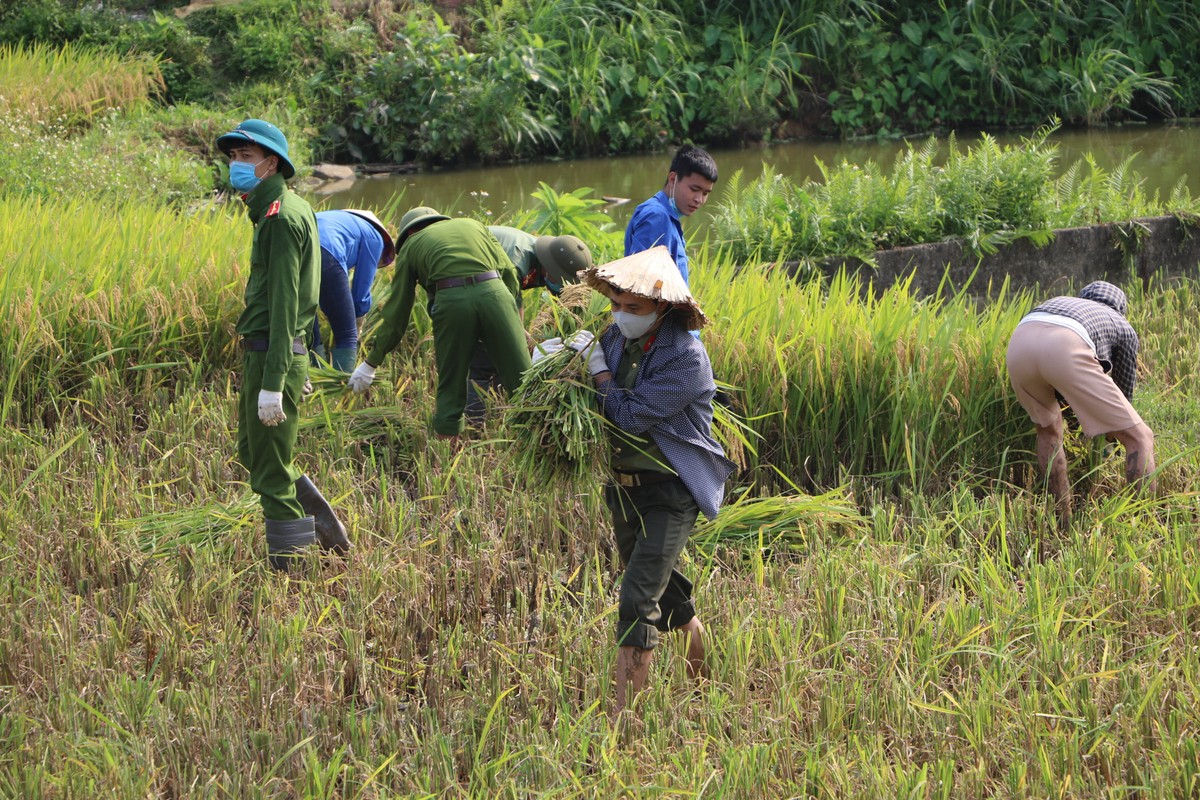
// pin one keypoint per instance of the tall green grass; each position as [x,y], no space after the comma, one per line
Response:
[71,84]
[104,303]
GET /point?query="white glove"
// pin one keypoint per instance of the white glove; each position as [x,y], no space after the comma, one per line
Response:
[270,408]
[361,378]
[583,341]
[546,348]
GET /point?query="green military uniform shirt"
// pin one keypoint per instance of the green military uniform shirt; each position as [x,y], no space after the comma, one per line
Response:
[519,246]
[453,248]
[285,274]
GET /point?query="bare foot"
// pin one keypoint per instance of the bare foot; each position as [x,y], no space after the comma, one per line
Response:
[696,666]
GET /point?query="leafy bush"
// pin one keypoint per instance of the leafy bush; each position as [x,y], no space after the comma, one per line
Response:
[188,74]
[575,213]
[51,22]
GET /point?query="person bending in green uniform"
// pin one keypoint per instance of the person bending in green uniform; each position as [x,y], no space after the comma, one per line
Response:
[473,293]
[281,299]
[547,262]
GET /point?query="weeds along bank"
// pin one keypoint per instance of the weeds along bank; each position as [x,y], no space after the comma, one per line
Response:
[487,81]
[78,122]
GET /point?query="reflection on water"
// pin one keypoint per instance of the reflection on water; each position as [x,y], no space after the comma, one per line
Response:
[1163,154]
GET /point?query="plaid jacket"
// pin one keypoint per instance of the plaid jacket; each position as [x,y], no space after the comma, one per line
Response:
[1100,309]
[671,402]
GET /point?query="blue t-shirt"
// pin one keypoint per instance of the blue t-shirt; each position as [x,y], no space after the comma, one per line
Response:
[654,223]
[355,244]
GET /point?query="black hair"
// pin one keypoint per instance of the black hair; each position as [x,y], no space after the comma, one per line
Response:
[691,159]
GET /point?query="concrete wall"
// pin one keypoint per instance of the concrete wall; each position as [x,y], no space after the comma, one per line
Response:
[1075,257]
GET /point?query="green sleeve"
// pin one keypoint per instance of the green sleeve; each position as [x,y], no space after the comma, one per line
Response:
[281,251]
[396,311]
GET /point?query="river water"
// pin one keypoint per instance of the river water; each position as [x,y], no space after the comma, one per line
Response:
[1162,155]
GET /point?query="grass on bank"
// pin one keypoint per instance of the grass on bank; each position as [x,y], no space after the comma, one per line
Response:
[985,195]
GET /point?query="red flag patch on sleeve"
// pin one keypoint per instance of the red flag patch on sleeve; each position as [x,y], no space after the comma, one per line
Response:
[273,209]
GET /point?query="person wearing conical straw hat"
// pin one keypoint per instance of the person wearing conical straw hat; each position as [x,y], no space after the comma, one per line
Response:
[473,294]
[355,240]
[281,299]
[655,385]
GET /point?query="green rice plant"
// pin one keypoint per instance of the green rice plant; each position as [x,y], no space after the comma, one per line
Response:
[72,85]
[155,299]
[853,372]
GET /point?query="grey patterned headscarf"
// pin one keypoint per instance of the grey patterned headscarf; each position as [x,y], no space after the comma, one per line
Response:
[1104,292]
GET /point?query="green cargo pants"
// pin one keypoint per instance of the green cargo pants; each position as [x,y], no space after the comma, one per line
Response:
[486,312]
[267,452]
[652,525]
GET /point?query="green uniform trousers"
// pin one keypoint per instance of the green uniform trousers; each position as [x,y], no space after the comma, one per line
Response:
[651,525]
[486,312]
[264,451]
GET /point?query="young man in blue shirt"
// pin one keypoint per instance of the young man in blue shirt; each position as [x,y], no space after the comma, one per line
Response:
[655,222]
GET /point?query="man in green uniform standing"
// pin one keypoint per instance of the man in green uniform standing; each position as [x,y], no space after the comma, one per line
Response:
[473,293]
[281,299]
[547,262]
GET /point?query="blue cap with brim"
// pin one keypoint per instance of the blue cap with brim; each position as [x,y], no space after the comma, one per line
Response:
[263,134]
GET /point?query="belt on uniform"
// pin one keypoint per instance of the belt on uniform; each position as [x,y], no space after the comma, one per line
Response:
[261,345]
[641,478]
[470,280]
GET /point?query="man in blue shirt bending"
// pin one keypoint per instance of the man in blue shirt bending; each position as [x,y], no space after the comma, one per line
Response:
[656,221]
[352,239]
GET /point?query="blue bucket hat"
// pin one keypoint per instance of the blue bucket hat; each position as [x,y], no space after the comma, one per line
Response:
[263,134]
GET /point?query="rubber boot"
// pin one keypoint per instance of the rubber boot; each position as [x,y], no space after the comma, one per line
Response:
[344,358]
[287,539]
[331,533]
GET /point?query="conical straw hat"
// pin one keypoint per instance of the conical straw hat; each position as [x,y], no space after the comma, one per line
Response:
[651,273]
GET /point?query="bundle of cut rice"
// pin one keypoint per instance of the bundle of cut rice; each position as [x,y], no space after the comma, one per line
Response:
[558,432]
[780,521]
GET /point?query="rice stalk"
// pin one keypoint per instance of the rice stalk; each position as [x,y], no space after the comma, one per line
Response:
[163,532]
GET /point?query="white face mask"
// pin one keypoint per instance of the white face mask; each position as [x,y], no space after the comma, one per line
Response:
[634,326]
